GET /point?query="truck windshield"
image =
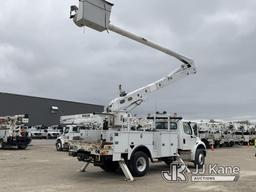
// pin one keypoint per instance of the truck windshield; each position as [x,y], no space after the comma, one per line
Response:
[66,130]
[164,125]
[187,128]
[75,129]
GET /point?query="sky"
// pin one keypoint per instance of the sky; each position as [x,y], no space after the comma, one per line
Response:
[42,53]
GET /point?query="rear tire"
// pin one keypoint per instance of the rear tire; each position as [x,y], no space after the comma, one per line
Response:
[2,144]
[139,164]
[59,146]
[199,158]
[22,147]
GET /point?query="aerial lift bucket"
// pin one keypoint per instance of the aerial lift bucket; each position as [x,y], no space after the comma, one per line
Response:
[94,14]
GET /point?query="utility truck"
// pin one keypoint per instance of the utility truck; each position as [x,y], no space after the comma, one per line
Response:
[73,126]
[205,133]
[117,138]
[13,132]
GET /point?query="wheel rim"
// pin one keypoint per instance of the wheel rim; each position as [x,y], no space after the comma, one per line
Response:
[141,164]
[58,146]
[201,159]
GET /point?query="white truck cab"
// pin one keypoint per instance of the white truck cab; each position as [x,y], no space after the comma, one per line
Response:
[70,132]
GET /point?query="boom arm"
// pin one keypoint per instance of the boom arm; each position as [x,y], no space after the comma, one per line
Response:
[131,100]
[95,14]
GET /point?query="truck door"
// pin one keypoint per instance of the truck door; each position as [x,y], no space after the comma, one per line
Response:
[75,132]
[66,132]
[188,138]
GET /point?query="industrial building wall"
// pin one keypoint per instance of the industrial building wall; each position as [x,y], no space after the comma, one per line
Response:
[40,109]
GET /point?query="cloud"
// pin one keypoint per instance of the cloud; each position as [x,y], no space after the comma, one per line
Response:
[43,53]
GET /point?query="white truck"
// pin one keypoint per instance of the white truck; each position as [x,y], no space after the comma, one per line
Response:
[53,132]
[216,129]
[35,132]
[204,133]
[228,135]
[118,138]
[238,132]
[73,126]
[13,132]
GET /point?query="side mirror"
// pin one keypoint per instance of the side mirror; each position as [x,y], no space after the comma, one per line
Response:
[73,11]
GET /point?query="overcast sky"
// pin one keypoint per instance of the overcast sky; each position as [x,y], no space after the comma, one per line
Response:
[42,53]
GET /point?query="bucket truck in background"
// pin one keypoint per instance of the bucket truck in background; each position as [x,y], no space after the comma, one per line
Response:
[13,132]
[71,125]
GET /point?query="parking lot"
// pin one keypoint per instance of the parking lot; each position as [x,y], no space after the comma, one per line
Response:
[40,168]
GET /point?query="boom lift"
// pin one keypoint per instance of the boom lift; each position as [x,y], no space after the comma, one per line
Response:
[13,131]
[119,138]
[128,101]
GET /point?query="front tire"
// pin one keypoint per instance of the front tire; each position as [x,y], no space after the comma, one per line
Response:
[59,146]
[199,158]
[139,164]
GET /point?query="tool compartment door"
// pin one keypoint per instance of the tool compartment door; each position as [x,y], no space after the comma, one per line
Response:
[165,144]
[120,142]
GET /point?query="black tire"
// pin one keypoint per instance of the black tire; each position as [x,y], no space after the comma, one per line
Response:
[168,161]
[199,158]
[2,144]
[110,166]
[206,143]
[59,146]
[139,164]
[22,147]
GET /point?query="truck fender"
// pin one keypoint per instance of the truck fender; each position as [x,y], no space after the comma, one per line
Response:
[59,139]
[140,148]
[199,145]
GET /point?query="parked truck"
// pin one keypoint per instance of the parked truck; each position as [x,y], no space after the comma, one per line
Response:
[13,132]
[118,139]
[73,129]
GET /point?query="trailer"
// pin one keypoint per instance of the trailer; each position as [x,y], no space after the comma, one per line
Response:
[13,132]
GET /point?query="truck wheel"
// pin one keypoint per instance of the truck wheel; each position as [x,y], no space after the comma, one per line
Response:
[59,146]
[110,166]
[1,144]
[139,164]
[206,143]
[199,158]
[22,147]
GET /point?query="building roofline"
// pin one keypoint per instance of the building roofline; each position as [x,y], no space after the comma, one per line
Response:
[37,97]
